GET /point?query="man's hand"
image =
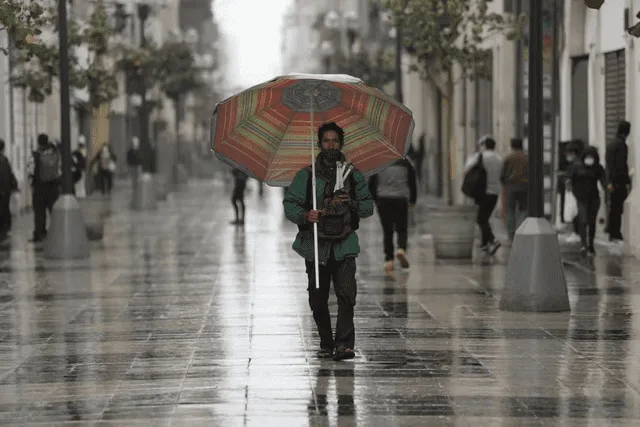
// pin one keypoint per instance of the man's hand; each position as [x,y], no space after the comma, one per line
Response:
[341,199]
[313,216]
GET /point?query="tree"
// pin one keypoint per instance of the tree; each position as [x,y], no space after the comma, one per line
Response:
[41,60]
[445,38]
[376,70]
[100,81]
[23,22]
[179,76]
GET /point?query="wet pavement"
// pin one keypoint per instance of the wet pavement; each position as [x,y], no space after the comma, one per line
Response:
[179,318]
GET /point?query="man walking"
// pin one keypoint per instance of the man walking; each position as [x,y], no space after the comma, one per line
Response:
[515,179]
[394,190]
[237,197]
[487,203]
[618,180]
[8,184]
[338,217]
[44,172]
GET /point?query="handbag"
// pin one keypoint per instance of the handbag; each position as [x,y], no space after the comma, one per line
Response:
[570,206]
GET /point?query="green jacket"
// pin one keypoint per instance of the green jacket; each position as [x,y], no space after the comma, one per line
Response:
[294,202]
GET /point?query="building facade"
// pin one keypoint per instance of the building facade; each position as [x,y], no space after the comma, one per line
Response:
[599,77]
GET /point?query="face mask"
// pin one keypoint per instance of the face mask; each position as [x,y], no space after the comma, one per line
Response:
[589,161]
[331,156]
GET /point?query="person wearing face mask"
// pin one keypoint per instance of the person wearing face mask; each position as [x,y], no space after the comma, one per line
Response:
[337,214]
[573,154]
[582,179]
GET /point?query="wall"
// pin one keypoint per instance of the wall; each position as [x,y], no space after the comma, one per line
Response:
[596,33]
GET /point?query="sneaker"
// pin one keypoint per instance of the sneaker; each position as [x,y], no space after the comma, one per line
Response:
[492,248]
[343,353]
[401,255]
[325,353]
[388,267]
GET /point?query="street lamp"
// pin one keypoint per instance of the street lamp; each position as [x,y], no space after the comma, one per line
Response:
[67,238]
[144,196]
[339,33]
[534,279]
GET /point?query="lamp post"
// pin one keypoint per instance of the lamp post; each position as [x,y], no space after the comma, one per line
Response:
[339,35]
[67,238]
[534,280]
[144,195]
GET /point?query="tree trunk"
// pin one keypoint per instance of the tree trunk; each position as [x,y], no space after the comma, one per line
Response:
[449,148]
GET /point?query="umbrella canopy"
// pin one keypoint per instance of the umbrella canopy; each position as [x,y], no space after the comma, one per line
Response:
[265,130]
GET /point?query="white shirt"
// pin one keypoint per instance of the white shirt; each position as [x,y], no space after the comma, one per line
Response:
[493,165]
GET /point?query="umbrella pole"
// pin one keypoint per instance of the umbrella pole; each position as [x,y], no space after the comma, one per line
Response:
[315,202]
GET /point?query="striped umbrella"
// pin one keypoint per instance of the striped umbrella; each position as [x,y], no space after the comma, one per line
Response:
[269,130]
[266,131]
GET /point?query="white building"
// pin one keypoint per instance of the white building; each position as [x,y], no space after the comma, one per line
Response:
[599,81]
[480,107]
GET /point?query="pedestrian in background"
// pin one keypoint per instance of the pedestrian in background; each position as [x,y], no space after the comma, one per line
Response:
[106,162]
[515,180]
[237,196]
[134,162]
[486,203]
[618,180]
[574,155]
[394,190]
[8,185]
[44,171]
[582,179]
[79,166]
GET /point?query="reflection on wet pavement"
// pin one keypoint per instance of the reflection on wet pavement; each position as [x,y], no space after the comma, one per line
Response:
[179,318]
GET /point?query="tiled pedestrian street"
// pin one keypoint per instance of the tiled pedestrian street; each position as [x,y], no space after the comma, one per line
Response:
[180,319]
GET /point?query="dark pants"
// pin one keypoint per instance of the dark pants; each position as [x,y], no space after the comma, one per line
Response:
[587,219]
[237,199]
[44,197]
[5,214]
[616,209]
[517,205]
[486,205]
[105,180]
[343,274]
[394,214]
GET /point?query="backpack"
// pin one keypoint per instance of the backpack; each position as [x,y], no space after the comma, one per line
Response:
[337,224]
[49,165]
[474,184]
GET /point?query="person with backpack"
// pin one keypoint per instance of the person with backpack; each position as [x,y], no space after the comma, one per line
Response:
[515,179]
[394,190]
[44,172]
[486,189]
[338,216]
